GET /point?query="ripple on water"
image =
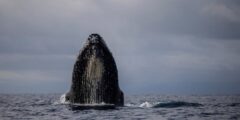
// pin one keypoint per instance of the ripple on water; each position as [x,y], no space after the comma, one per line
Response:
[33,106]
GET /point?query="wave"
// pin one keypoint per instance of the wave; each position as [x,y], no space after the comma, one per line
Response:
[234,104]
[175,104]
[172,104]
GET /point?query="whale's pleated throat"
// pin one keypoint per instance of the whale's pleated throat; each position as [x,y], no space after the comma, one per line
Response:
[93,74]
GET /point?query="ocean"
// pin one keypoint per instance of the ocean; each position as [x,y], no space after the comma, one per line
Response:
[137,107]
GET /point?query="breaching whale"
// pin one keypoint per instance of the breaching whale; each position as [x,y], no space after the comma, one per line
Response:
[95,75]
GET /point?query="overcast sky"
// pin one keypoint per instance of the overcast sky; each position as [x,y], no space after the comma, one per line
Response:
[160,46]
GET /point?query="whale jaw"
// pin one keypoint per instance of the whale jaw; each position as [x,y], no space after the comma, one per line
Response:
[95,75]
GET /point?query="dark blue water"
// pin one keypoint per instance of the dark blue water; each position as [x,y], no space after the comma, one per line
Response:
[137,107]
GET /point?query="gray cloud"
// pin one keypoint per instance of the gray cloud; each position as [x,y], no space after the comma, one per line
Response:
[60,24]
[156,43]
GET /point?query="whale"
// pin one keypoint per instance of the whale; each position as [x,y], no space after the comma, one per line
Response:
[95,75]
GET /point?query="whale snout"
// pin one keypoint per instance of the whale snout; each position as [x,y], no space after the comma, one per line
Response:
[94,38]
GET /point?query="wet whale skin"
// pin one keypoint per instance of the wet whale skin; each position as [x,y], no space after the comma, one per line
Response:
[95,75]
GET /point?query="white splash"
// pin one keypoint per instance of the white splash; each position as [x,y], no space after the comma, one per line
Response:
[130,105]
[146,105]
[62,100]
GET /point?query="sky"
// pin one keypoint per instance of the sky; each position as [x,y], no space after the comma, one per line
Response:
[160,46]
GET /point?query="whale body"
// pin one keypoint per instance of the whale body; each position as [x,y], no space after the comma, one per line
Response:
[95,75]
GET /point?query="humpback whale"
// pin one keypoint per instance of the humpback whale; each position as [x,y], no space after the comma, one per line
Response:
[95,75]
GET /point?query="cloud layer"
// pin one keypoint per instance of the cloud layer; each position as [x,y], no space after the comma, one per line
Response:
[160,46]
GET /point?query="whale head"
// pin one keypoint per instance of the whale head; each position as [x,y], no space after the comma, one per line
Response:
[95,75]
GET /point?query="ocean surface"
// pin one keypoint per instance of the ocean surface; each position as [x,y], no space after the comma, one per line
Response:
[137,107]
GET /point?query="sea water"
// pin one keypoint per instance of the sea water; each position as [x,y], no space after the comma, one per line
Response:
[137,107]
